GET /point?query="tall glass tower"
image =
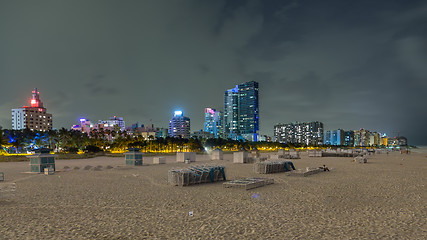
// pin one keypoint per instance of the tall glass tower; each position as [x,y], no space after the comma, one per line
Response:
[241,112]
[231,113]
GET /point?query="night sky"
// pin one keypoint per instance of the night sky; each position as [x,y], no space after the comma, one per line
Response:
[349,64]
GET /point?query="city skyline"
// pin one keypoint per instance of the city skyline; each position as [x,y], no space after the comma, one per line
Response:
[361,68]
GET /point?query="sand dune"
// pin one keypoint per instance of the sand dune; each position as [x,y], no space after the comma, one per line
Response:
[383,199]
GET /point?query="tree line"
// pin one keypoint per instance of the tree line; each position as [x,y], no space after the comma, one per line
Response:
[72,141]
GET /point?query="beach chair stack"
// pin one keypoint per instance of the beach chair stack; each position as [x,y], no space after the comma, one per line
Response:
[248,183]
[196,175]
[268,167]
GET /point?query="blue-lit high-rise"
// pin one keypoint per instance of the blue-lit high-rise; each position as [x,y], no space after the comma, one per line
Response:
[334,137]
[231,113]
[241,112]
[213,122]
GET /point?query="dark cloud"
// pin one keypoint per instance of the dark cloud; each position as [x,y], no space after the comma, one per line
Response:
[358,64]
[99,85]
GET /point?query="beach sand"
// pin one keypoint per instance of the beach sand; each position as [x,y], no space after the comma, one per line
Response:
[383,199]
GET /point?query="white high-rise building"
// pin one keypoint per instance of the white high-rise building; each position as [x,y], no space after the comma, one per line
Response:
[179,125]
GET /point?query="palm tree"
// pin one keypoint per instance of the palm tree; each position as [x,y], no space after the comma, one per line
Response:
[3,140]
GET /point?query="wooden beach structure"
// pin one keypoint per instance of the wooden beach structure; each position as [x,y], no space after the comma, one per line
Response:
[49,171]
[42,159]
[185,157]
[248,183]
[217,154]
[241,157]
[133,157]
[159,160]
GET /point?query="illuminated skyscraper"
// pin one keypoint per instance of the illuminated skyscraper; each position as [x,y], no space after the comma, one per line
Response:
[179,125]
[241,112]
[349,138]
[334,137]
[34,117]
[310,134]
[231,113]
[213,122]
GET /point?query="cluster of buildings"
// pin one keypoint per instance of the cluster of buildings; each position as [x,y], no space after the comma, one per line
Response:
[114,124]
[111,127]
[313,134]
[238,121]
[361,138]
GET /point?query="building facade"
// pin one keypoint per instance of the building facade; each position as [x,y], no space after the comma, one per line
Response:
[202,134]
[213,122]
[334,137]
[349,138]
[241,112]
[361,138]
[179,125]
[310,134]
[33,117]
[114,121]
[231,113]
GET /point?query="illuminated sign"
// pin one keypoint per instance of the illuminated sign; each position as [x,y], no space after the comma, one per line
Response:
[210,111]
[178,113]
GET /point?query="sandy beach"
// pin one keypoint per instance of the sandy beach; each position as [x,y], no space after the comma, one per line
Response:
[383,199]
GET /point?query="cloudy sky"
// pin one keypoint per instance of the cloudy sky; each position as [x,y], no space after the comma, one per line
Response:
[349,64]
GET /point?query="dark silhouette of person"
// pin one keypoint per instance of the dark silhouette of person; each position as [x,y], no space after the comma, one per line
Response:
[325,168]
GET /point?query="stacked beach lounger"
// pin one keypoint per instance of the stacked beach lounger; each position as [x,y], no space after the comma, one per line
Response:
[268,167]
[305,172]
[196,175]
[248,183]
